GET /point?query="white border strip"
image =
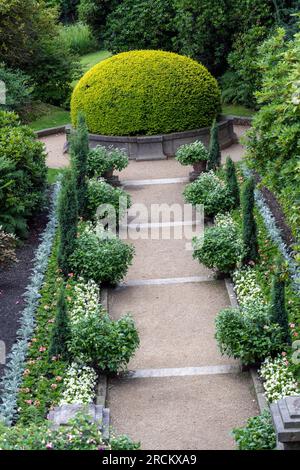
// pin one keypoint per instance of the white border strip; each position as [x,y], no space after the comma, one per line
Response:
[184,179]
[183,372]
[167,281]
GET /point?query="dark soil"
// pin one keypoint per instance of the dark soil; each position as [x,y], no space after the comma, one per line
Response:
[13,282]
[277,212]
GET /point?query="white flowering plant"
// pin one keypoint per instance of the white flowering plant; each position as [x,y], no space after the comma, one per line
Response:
[80,382]
[85,300]
[278,379]
[246,286]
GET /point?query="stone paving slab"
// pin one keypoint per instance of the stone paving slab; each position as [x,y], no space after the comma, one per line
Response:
[166,194]
[164,258]
[54,145]
[175,323]
[190,413]
[170,168]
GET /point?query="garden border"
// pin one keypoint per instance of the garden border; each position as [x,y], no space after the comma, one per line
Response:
[257,384]
[239,120]
[13,371]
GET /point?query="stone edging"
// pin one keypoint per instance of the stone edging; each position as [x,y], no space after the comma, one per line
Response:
[101,389]
[239,120]
[258,387]
[51,131]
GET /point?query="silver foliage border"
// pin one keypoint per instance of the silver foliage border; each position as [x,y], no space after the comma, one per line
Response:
[275,233]
[13,374]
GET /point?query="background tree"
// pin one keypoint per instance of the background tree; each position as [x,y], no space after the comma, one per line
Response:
[232,182]
[68,220]
[143,24]
[249,223]
[79,154]
[278,310]
[61,333]
[29,38]
[214,159]
[95,12]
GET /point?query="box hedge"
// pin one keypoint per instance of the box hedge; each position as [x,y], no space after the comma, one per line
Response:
[146,93]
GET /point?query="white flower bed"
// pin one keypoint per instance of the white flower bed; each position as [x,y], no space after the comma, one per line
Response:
[80,383]
[279,381]
[246,286]
[86,300]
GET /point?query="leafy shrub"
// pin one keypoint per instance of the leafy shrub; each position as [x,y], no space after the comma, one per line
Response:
[100,192]
[151,92]
[7,248]
[105,259]
[210,191]
[22,175]
[95,12]
[221,249]
[79,38]
[274,141]
[102,160]
[105,344]
[248,334]
[258,434]
[141,25]
[36,48]
[189,154]
[79,434]
[9,119]
[244,76]
[18,88]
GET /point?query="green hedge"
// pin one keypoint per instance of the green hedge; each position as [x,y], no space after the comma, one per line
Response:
[146,92]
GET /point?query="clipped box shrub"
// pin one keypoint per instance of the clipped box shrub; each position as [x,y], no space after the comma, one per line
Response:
[146,92]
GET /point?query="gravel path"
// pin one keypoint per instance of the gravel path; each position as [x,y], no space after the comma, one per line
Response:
[174,302]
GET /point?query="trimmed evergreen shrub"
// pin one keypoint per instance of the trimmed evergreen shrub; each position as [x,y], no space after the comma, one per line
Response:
[249,223]
[79,155]
[232,183]
[68,219]
[146,92]
[214,159]
[61,332]
[278,310]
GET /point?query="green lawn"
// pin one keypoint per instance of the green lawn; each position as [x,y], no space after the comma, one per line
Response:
[237,110]
[89,60]
[52,116]
[53,174]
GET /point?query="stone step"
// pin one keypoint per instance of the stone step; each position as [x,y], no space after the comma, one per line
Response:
[61,415]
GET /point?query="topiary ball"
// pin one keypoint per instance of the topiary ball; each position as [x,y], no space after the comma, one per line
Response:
[146,93]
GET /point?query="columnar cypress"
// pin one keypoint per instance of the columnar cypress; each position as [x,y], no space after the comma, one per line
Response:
[249,223]
[278,310]
[79,154]
[61,330]
[68,220]
[214,160]
[232,182]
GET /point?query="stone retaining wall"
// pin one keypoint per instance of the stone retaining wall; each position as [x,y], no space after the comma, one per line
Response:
[160,147]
